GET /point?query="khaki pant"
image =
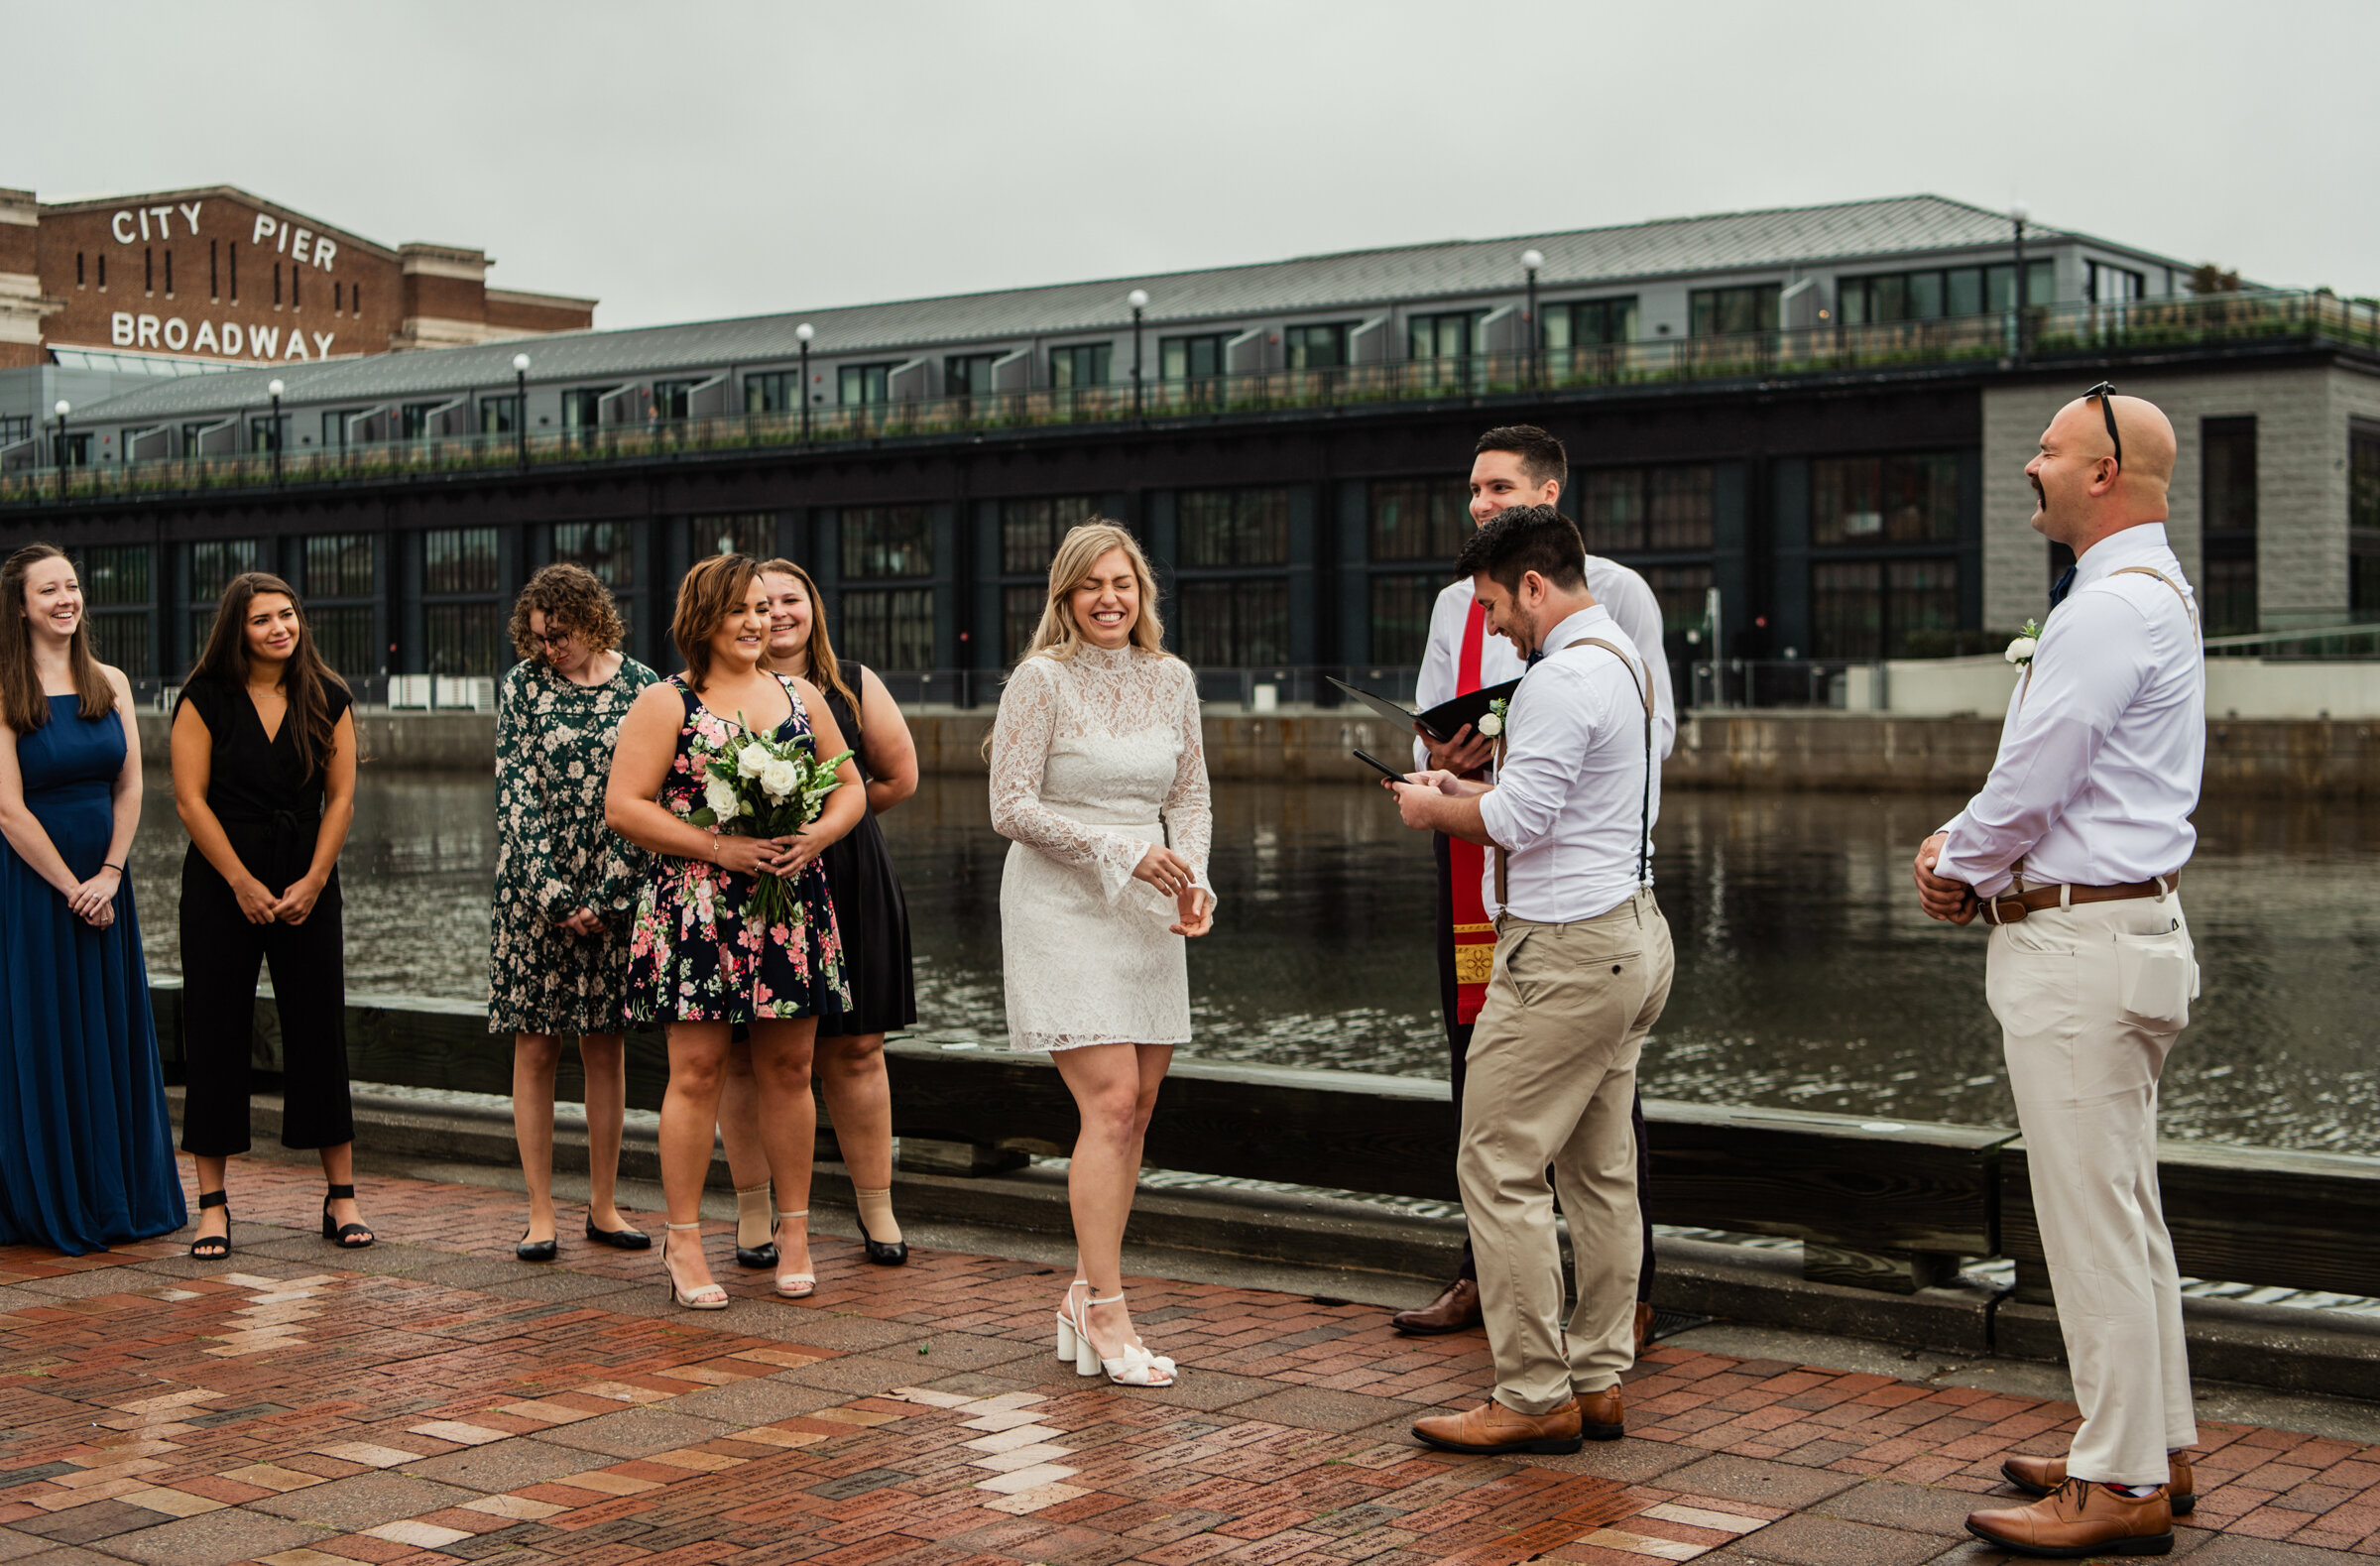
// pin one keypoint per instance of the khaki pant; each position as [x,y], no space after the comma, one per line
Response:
[2089,1002]
[1551,1075]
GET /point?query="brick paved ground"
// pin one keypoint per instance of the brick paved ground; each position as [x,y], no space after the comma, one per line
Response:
[431,1399]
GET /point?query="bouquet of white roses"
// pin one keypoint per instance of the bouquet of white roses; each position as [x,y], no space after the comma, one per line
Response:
[755,787]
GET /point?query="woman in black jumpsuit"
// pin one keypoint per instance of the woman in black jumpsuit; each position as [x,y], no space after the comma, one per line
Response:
[264,778]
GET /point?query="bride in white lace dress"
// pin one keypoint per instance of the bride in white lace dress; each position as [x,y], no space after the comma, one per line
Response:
[1098,777]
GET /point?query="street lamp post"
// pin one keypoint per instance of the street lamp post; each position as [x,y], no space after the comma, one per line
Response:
[2016,217]
[520,407]
[1530,261]
[1138,301]
[275,388]
[802,334]
[61,408]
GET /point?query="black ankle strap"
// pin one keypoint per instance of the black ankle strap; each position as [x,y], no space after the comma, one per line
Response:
[339,1193]
[213,1199]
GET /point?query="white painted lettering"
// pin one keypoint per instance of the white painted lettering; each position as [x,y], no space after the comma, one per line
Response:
[178,334]
[262,340]
[296,345]
[121,226]
[282,245]
[189,209]
[205,342]
[323,343]
[263,230]
[119,329]
[324,250]
[144,223]
[305,237]
[231,338]
[165,221]
[145,332]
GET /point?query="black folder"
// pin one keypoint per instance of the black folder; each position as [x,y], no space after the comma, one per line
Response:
[1441,721]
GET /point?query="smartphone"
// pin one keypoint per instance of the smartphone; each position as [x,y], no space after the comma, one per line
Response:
[1386,771]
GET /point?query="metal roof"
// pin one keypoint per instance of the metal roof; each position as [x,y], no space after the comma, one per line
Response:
[1851,231]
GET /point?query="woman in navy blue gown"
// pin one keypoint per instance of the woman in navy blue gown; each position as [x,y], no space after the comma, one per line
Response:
[87,1151]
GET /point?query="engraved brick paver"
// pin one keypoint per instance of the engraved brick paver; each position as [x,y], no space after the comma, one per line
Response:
[432,1400]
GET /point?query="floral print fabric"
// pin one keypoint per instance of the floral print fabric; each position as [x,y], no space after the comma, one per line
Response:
[555,855]
[692,955]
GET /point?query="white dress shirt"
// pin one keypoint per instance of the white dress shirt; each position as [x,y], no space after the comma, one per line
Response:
[2100,756]
[1611,584]
[1570,806]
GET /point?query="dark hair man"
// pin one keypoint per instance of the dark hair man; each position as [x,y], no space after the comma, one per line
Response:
[2081,834]
[1582,969]
[1512,465]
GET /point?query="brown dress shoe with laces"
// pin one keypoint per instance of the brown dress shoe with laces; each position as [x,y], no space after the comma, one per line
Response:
[2038,1476]
[1600,1416]
[1491,1428]
[2080,1517]
[1456,1310]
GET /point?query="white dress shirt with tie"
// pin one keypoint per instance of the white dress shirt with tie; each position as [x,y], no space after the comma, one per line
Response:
[1611,584]
[1569,805]
[2104,747]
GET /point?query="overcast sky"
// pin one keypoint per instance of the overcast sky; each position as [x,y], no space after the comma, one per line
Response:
[684,160]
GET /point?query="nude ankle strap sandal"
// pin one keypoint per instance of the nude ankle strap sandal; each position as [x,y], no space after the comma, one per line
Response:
[796,1286]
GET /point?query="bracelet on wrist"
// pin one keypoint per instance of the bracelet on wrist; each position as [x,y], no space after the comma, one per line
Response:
[118,869]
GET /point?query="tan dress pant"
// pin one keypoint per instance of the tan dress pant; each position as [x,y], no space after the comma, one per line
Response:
[1551,1075]
[2076,992]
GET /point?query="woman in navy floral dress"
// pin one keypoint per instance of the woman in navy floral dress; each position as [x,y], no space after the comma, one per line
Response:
[696,964]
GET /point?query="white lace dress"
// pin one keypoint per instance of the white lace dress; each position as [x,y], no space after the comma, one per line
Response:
[1095,757]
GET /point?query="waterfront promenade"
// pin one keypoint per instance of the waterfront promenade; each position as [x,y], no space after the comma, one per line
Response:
[432,1399]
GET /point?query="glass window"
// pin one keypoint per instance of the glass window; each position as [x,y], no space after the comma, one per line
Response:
[1925,295]
[498,416]
[773,392]
[1610,507]
[1419,519]
[1625,510]
[673,398]
[338,565]
[1920,596]
[1020,613]
[122,639]
[1845,618]
[2363,479]
[864,383]
[608,549]
[751,532]
[1084,364]
[582,410]
[1867,609]
[1317,347]
[1030,530]
[1401,617]
[214,562]
[343,636]
[1684,593]
[459,561]
[2106,285]
[1965,292]
[1858,501]
[413,419]
[1234,622]
[1589,323]
[114,575]
[887,540]
[1235,526]
[2230,474]
[1715,312]
[1999,285]
[1188,358]
[462,636]
[261,428]
[889,629]
[968,374]
[1678,509]
[1443,336]
[2227,593]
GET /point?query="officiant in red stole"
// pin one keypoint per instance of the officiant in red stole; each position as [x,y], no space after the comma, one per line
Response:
[1514,465]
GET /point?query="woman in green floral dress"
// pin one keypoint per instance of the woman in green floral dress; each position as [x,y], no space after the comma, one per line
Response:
[566,886]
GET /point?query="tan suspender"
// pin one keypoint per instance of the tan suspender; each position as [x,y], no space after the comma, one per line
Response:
[1644,822]
[2188,607]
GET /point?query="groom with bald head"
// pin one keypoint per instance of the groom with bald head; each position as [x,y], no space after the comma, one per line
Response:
[2073,853]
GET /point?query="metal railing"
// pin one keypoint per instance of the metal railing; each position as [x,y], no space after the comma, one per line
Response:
[2042,332]
[2318,643]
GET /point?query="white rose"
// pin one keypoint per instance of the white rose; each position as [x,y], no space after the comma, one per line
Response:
[780,779]
[750,761]
[2020,650]
[720,795]
[1490,726]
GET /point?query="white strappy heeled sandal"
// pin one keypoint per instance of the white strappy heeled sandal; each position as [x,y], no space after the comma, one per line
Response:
[1070,1328]
[706,1297]
[794,1285]
[1135,1367]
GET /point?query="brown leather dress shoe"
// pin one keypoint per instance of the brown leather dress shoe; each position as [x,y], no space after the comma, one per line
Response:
[1491,1428]
[2038,1476]
[1456,1310]
[2080,1518]
[1600,1416]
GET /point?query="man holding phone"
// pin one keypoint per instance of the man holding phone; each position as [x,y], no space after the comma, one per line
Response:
[1511,465]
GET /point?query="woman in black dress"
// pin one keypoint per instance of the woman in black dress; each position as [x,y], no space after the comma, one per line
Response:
[263,779]
[850,1059]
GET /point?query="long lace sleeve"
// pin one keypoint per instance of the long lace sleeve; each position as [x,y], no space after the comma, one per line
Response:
[1020,741]
[1188,810]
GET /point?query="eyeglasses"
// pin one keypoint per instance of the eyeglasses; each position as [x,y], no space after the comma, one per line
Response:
[2106,393]
[551,638]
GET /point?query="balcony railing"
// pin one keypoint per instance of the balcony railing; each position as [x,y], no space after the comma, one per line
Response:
[2047,332]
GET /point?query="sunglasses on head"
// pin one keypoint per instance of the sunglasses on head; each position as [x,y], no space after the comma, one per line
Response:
[2106,393]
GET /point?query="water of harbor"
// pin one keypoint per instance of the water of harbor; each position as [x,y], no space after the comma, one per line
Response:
[1806,975]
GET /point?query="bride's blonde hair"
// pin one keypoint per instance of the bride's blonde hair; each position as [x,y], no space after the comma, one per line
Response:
[1057,633]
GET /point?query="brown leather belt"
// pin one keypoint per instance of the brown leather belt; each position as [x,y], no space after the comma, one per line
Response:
[2010,908]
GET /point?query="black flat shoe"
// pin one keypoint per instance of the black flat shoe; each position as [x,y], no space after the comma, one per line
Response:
[757,1257]
[620,1239]
[880,1254]
[213,1248]
[347,1237]
[536,1250]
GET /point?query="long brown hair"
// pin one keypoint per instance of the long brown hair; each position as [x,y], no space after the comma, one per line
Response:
[306,680]
[23,707]
[712,590]
[825,670]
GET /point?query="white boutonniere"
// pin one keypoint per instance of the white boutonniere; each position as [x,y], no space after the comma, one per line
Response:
[1492,724]
[2020,651]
